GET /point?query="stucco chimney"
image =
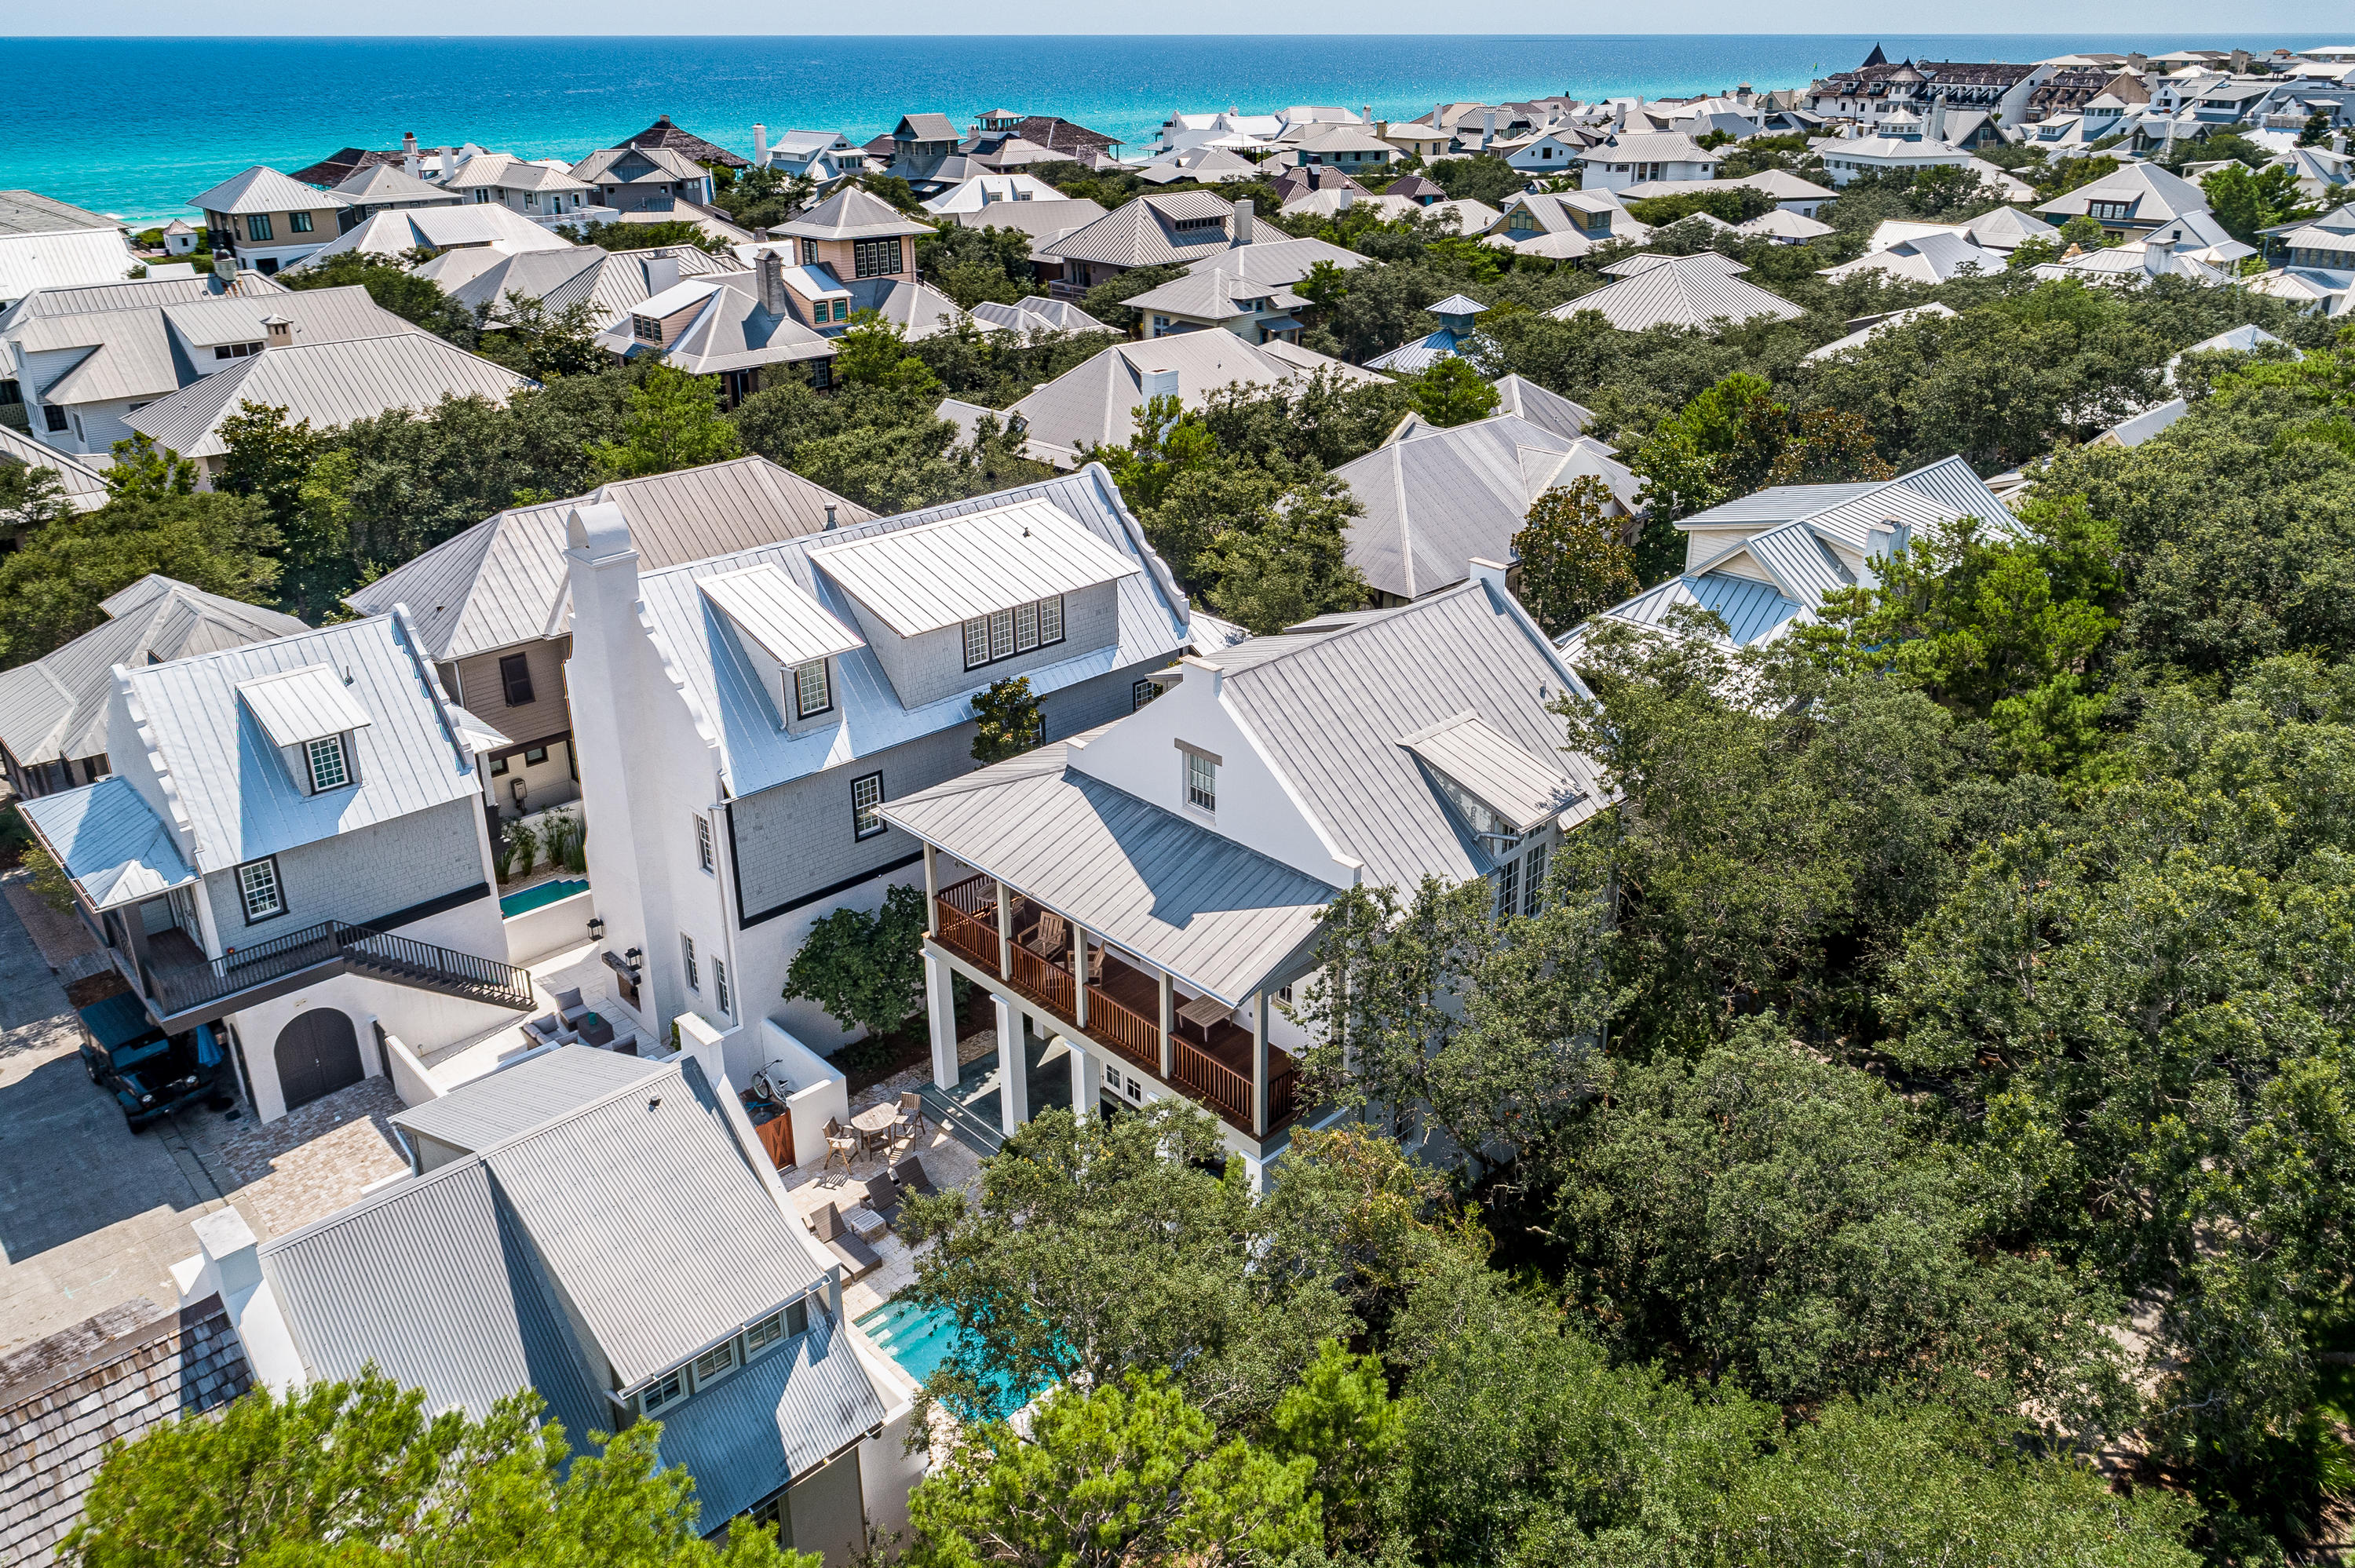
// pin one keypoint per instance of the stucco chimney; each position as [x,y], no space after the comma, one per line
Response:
[449,163]
[409,165]
[1369,115]
[2338,142]
[229,1245]
[662,272]
[409,142]
[278,332]
[1348,198]
[1242,227]
[760,145]
[2155,253]
[1488,128]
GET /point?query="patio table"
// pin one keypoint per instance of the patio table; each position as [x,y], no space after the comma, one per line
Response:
[1205,1010]
[874,1123]
[866,1222]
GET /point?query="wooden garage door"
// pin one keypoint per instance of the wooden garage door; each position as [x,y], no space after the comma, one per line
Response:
[317,1054]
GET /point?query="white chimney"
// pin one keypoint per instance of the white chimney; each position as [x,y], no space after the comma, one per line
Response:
[1152,384]
[278,331]
[2338,142]
[409,142]
[449,163]
[1242,227]
[662,272]
[1348,197]
[2156,254]
[409,165]
[760,145]
[1369,115]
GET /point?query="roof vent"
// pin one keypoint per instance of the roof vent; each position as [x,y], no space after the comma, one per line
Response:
[653,1102]
[830,516]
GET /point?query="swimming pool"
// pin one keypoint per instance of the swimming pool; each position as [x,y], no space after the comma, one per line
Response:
[538,895]
[921,1338]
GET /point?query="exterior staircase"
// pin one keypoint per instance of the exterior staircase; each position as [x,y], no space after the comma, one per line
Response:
[975,1132]
[181,997]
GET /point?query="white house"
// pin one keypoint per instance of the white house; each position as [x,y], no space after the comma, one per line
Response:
[1640,157]
[822,155]
[742,719]
[46,244]
[982,190]
[1845,157]
[545,192]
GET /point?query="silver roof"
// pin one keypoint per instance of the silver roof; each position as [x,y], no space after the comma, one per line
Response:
[1547,410]
[84,486]
[788,1413]
[851,213]
[390,182]
[756,753]
[1752,611]
[1095,403]
[230,788]
[306,703]
[491,1110]
[952,569]
[502,582]
[1436,498]
[2155,195]
[30,212]
[730,328]
[1526,790]
[263,189]
[1678,292]
[1144,232]
[776,613]
[109,843]
[1203,906]
[328,384]
[390,234]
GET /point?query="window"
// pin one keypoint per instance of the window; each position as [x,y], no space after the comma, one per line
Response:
[645,329]
[328,769]
[1507,880]
[1002,634]
[663,1392]
[514,678]
[1533,876]
[813,693]
[687,956]
[2109,211]
[703,840]
[257,889]
[533,756]
[809,252]
[531,201]
[300,222]
[54,417]
[866,795]
[237,351]
[714,1362]
[1202,781]
[842,310]
[821,373]
[1143,693]
[720,989]
[784,1324]
[874,258]
[257,225]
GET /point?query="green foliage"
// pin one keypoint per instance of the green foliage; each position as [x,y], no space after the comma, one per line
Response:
[1105,301]
[971,265]
[30,498]
[1738,205]
[671,421]
[1573,557]
[1481,177]
[526,337]
[866,970]
[764,197]
[2245,202]
[1007,720]
[51,587]
[1735,438]
[615,235]
[882,447]
[141,468]
[44,876]
[357,1473]
[1125,1472]
[1452,393]
[2315,131]
[1340,1417]
[873,351]
[393,287]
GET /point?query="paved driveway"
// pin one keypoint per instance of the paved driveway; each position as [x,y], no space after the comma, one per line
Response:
[92,1215]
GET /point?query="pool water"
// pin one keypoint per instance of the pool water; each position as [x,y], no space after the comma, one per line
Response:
[921,1338]
[538,895]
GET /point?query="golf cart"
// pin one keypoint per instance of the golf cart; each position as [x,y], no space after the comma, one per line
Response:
[149,1073]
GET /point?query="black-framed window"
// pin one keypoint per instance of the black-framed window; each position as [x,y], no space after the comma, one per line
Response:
[54,417]
[1143,693]
[1004,633]
[259,891]
[534,756]
[300,222]
[499,767]
[876,258]
[687,956]
[813,689]
[515,680]
[865,798]
[257,225]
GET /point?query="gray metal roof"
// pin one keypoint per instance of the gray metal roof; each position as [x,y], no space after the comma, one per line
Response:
[1095,403]
[2153,194]
[1752,611]
[778,615]
[435,1282]
[84,486]
[756,752]
[952,569]
[1203,906]
[306,703]
[697,1248]
[1524,789]
[230,790]
[30,212]
[263,189]
[851,213]
[389,182]
[55,707]
[788,1413]
[1036,312]
[502,582]
[1439,497]
[131,294]
[1547,410]
[109,843]
[1678,293]
[731,330]
[329,384]
[1144,232]
[492,1110]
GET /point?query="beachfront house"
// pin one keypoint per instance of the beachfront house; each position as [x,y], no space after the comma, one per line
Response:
[47,244]
[263,220]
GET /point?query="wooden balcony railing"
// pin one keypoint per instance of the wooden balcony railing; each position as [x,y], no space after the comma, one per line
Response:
[1045,979]
[1217,1085]
[1129,1032]
[969,935]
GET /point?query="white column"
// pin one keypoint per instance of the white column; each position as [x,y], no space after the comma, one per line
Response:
[1080,974]
[931,891]
[1087,1076]
[1013,1072]
[1168,1026]
[1259,1064]
[1005,934]
[940,1003]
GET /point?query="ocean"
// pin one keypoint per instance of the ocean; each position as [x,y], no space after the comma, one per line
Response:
[135,126]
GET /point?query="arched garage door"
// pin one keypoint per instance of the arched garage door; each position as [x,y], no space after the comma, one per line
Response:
[317,1054]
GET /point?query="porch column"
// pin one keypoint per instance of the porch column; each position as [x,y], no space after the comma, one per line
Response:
[1080,974]
[940,1003]
[931,891]
[1005,933]
[1087,1078]
[1168,1026]
[1013,1070]
[1259,1064]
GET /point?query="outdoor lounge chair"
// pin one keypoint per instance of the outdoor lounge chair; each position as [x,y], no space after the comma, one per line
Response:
[910,1174]
[857,1259]
[548,1030]
[1047,936]
[569,1006]
[883,1197]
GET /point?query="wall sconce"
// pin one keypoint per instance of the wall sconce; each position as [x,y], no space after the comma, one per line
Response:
[596,926]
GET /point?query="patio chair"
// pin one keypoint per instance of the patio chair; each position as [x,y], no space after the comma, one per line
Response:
[883,1197]
[1047,935]
[909,1175]
[1095,964]
[548,1030]
[842,1143]
[569,1005]
[912,1115]
[854,1256]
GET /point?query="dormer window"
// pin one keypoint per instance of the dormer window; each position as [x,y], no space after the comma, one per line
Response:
[329,768]
[664,1393]
[813,691]
[1003,633]
[645,329]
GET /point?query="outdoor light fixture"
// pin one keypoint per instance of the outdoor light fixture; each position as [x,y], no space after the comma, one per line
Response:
[596,925]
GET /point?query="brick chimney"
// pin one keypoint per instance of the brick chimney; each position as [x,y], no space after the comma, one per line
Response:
[1243,226]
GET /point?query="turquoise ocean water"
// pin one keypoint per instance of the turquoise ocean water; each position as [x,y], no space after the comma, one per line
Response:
[135,126]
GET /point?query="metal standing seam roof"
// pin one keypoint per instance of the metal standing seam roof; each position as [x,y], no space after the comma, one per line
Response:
[669,163]
[61,257]
[54,708]
[306,703]
[130,294]
[492,1110]
[30,212]
[776,613]
[111,845]
[1205,907]
[328,384]
[136,360]
[486,170]
[1142,233]
[1547,410]
[263,189]
[317,315]
[952,569]
[809,1395]
[85,487]
[232,792]
[1676,295]
[401,229]
[1094,403]
[502,582]
[850,213]
[757,753]
[1527,790]
[1752,611]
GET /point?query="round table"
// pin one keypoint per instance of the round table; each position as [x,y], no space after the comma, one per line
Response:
[876,1121]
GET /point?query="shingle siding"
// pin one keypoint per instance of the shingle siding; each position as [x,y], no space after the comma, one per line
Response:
[483,692]
[797,839]
[925,669]
[363,874]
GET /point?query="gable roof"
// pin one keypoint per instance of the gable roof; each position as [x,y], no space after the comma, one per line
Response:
[502,582]
[1649,147]
[263,189]
[54,708]
[939,573]
[1685,292]
[389,182]
[665,165]
[1548,410]
[1095,402]
[398,230]
[513,1100]
[84,486]
[109,843]
[505,171]
[2156,195]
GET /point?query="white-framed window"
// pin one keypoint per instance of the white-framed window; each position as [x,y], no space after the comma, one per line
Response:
[1002,634]
[866,795]
[720,989]
[813,693]
[717,1362]
[785,1323]
[1533,880]
[258,890]
[663,1393]
[1202,781]
[1507,880]
[687,956]
[703,840]
[329,770]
